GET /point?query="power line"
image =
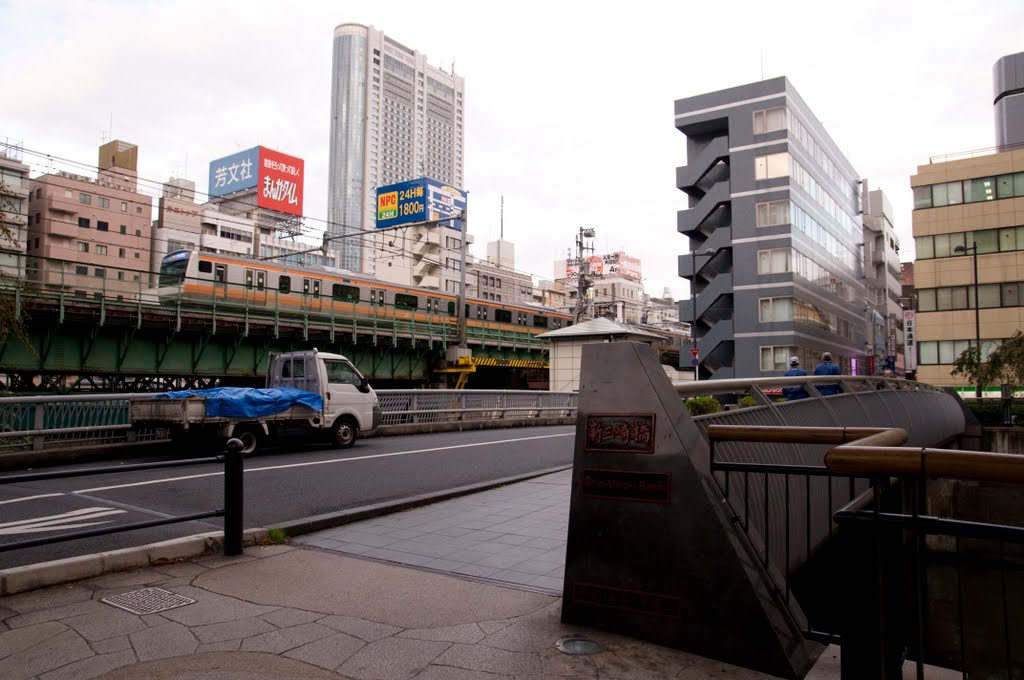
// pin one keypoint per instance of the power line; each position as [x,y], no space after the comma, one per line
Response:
[157,187]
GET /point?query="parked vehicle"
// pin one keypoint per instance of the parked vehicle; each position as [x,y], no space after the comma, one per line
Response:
[307,393]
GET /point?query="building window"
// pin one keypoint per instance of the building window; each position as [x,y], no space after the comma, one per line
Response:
[120,276]
[769,120]
[138,232]
[101,250]
[775,309]
[771,166]
[773,261]
[776,358]
[120,252]
[104,202]
[124,206]
[83,222]
[81,270]
[138,209]
[102,226]
[100,273]
[124,229]
[83,247]
[772,212]
[85,198]
[136,256]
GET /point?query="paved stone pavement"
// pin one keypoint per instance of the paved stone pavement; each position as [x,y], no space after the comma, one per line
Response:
[342,604]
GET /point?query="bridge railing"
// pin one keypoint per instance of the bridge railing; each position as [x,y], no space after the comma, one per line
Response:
[401,407]
[39,423]
[938,586]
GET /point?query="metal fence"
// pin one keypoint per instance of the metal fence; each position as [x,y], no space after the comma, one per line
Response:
[231,511]
[400,407]
[43,423]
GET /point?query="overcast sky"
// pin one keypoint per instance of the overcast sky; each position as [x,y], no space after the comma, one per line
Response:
[569,106]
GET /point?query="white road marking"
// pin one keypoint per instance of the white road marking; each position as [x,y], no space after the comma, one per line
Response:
[67,520]
[325,462]
[32,498]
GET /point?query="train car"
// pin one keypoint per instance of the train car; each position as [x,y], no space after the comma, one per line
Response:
[197,278]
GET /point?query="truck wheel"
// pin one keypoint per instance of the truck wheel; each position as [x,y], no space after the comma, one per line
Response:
[251,437]
[344,432]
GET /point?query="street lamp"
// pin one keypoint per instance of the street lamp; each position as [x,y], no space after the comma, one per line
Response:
[973,249]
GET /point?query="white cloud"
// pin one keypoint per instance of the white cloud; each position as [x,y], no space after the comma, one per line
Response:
[569,108]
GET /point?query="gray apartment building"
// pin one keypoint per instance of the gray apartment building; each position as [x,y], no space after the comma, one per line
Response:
[775,234]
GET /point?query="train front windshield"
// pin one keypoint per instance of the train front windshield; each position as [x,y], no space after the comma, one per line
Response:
[172,269]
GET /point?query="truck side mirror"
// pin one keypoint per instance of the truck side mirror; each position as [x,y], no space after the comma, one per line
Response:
[363,386]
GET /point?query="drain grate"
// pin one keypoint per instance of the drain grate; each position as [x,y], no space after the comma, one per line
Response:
[148,601]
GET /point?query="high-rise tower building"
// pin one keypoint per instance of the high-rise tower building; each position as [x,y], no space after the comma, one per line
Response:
[393,118]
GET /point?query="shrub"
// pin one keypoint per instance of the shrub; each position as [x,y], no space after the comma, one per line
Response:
[747,401]
[699,406]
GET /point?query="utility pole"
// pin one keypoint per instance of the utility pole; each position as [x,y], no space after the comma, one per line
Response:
[582,283]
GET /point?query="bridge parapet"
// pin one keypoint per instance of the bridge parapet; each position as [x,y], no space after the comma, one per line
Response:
[665,546]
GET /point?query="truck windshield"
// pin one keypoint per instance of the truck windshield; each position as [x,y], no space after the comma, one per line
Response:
[340,372]
[172,272]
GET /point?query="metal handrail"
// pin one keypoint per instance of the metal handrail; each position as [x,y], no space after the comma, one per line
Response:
[981,466]
[231,510]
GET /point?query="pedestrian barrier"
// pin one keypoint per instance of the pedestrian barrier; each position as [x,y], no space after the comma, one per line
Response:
[231,511]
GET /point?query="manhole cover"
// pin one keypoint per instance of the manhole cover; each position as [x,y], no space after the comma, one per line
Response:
[148,601]
[574,644]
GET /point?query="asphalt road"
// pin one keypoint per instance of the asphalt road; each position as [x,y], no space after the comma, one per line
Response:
[279,486]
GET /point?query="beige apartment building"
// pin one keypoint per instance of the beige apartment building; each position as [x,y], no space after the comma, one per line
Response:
[91,237]
[965,209]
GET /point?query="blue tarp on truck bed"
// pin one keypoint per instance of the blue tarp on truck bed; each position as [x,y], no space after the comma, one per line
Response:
[250,402]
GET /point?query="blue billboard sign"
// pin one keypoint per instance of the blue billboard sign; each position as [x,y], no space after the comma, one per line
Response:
[419,200]
[233,173]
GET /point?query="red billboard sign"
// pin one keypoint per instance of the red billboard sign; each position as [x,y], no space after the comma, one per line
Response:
[280,182]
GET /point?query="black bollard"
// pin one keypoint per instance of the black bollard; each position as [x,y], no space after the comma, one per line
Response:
[233,497]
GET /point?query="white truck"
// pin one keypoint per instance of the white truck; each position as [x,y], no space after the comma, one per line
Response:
[349,405]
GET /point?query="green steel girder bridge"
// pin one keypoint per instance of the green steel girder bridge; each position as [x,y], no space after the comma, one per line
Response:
[108,340]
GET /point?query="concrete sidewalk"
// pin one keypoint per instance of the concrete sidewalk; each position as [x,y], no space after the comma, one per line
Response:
[465,588]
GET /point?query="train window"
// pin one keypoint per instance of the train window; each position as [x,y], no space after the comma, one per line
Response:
[316,287]
[451,308]
[249,277]
[261,280]
[406,301]
[503,315]
[481,312]
[522,319]
[540,321]
[558,323]
[305,286]
[376,297]
[220,273]
[284,284]
[431,304]
[205,266]
[343,292]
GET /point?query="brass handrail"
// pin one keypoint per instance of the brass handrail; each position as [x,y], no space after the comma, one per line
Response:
[866,451]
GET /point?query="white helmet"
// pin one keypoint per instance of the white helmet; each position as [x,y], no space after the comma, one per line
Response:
[794,361]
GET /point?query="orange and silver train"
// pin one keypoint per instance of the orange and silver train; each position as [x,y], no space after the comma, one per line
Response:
[199,277]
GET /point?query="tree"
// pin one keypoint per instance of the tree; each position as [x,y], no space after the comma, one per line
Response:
[12,319]
[1005,365]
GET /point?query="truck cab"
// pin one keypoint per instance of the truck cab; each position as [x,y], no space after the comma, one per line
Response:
[350,405]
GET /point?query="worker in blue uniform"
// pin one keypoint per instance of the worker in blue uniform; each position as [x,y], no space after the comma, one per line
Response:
[795,392]
[826,367]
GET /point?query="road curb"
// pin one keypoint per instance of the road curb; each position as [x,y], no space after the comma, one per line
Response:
[31,576]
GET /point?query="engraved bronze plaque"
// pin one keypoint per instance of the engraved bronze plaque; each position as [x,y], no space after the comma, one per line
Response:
[626,485]
[627,433]
[637,601]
